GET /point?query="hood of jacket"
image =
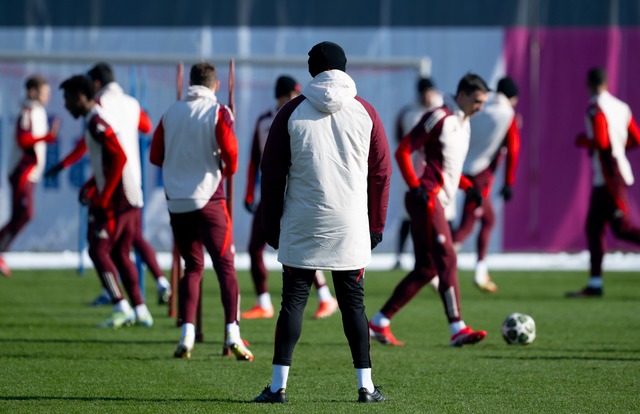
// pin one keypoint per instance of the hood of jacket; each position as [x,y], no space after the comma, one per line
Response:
[199,91]
[330,90]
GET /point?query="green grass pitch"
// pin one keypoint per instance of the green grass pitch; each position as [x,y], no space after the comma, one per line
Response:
[586,358]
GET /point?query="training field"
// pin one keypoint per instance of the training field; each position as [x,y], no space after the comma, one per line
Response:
[586,358]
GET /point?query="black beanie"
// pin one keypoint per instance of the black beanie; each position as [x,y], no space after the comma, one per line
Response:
[507,87]
[325,56]
[285,85]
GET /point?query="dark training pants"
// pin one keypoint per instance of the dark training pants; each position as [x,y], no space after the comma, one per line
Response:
[434,255]
[209,227]
[349,286]
[604,210]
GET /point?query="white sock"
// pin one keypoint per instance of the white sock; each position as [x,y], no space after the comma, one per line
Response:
[162,282]
[456,327]
[595,282]
[122,306]
[364,379]
[188,335]
[380,320]
[264,301]
[279,377]
[324,294]
[233,333]
[482,272]
[141,311]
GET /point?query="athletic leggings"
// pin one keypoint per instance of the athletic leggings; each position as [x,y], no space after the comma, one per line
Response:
[349,286]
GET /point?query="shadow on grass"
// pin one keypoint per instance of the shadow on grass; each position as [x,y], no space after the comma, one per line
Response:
[123,399]
[562,358]
[84,341]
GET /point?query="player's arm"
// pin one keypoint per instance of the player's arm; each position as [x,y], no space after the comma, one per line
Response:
[412,141]
[227,141]
[512,143]
[600,132]
[274,168]
[114,160]
[379,176]
[156,152]
[74,156]
[254,165]
[24,134]
[633,131]
[144,124]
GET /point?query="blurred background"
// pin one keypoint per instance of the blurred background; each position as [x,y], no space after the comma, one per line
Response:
[545,46]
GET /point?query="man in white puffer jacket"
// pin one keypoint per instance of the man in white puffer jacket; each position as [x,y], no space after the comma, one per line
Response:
[326,169]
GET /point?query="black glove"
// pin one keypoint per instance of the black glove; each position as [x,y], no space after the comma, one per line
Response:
[376,238]
[53,171]
[506,192]
[473,194]
[250,206]
[420,194]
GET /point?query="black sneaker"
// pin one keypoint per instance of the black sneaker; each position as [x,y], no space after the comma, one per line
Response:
[267,396]
[587,292]
[364,396]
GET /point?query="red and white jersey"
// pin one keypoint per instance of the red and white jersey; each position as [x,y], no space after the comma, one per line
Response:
[608,120]
[193,137]
[260,133]
[29,147]
[107,159]
[325,176]
[124,116]
[443,133]
[493,128]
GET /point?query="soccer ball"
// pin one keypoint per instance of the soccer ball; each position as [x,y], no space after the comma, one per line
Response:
[519,329]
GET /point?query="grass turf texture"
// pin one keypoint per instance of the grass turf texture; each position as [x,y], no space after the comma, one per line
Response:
[586,357]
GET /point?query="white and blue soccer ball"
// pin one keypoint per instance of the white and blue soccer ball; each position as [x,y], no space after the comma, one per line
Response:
[519,329]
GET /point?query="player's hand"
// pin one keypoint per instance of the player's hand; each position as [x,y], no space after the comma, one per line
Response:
[250,206]
[583,141]
[53,171]
[420,194]
[376,238]
[506,192]
[474,195]
[87,193]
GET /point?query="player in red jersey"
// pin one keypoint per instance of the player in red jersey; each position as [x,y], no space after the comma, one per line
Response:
[408,117]
[32,134]
[112,219]
[193,139]
[127,118]
[611,130]
[494,133]
[286,88]
[443,133]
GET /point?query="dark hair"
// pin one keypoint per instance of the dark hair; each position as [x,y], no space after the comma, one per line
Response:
[596,77]
[424,84]
[35,82]
[79,85]
[507,87]
[203,74]
[471,83]
[285,85]
[101,72]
